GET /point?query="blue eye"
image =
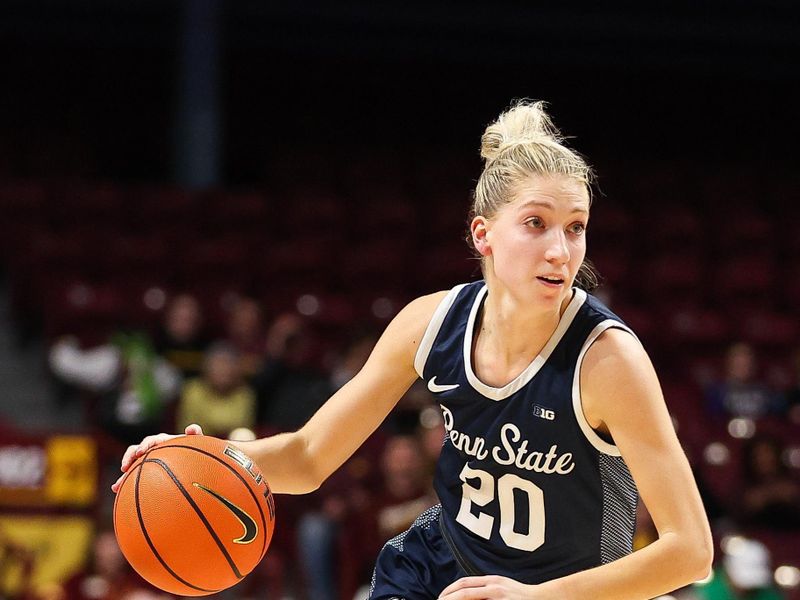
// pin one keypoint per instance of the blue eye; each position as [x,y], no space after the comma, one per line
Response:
[577,228]
[535,222]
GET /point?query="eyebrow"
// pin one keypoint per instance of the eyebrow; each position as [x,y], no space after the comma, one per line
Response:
[548,204]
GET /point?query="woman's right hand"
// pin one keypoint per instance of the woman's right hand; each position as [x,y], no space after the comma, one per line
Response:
[137,450]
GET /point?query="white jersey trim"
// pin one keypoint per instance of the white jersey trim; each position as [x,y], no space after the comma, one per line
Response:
[591,435]
[493,393]
[433,328]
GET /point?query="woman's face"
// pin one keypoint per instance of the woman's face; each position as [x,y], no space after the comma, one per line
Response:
[183,318]
[536,243]
[222,371]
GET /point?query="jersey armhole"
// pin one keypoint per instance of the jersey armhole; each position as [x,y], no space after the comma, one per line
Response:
[432,330]
[591,435]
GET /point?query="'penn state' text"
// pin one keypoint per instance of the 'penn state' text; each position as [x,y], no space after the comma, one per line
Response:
[513,449]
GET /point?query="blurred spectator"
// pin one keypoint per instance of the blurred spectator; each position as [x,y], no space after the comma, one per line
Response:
[321,530]
[108,576]
[431,433]
[793,394]
[290,391]
[135,386]
[359,522]
[716,510]
[771,497]
[245,332]
[289,388]
[219,401]
[352,359]
[405,417]
[406,490]
[741,394]
[745,574]
[181,339]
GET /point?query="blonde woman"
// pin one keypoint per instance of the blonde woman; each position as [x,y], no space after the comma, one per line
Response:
[554,415]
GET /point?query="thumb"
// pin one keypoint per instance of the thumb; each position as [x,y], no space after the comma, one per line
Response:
[194,429]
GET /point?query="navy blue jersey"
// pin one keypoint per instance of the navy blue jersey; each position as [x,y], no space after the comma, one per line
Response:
[528,489]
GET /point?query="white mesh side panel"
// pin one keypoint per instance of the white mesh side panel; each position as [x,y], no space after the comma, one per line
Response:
[425,520]
[620,498]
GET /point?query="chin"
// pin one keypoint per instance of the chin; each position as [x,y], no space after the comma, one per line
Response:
[547,297]
[555,298]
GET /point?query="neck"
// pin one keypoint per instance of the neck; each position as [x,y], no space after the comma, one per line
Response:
[512,330]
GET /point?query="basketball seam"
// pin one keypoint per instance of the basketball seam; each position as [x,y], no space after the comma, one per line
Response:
[242,479]
[150,542]
[200,514]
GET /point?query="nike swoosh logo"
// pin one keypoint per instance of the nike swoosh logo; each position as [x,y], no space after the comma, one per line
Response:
[249,524]
[435,388]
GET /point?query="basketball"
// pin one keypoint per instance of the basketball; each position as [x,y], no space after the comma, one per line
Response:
[194,515]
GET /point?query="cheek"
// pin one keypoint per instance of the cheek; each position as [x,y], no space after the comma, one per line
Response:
[579,251]
[522,242]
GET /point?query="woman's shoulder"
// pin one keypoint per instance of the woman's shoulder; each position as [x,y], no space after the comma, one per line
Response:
[404,334]
[617,344]
[425,306]
[418,313]
[616,361]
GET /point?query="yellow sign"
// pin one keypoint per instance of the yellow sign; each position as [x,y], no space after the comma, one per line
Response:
[71,470]
[58,547]
[51,471]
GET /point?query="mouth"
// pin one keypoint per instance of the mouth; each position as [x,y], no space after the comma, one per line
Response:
[551,280]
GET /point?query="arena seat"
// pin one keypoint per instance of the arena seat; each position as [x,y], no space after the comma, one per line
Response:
[385,214]
[741,230]
[382,264]
[85,310]
[309,211]
[218,259]
[675,226]
[745,285]
[767,329]
[674,279]
[244,213]
[141,255]
[697,326]
[614,265]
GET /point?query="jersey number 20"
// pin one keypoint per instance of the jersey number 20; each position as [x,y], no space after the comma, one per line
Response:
[482,523]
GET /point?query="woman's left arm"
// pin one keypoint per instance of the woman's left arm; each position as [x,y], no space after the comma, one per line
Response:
[621,395]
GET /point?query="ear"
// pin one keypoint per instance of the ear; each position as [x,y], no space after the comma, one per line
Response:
[480,235]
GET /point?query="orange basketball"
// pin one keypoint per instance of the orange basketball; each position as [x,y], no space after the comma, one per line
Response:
[194,515]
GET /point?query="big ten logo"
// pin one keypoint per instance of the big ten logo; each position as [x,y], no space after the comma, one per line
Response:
[544,413]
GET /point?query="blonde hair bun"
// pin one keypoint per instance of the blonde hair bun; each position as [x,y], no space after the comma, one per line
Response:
[525,122]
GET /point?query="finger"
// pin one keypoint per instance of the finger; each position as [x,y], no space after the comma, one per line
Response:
[194,429]
[148,443]
[116,485]
[128,457]
[464,583]
[478,593]
[145,445]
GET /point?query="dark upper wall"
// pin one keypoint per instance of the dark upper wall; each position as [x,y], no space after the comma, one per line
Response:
[89,86]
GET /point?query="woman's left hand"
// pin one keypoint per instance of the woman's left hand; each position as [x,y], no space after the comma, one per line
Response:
[489,587]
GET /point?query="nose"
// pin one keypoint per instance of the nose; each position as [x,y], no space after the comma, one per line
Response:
[557,248]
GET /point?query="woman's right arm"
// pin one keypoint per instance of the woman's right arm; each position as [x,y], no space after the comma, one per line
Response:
[298,462]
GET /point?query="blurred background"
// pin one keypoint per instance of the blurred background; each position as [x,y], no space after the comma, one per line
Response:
[209,210]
